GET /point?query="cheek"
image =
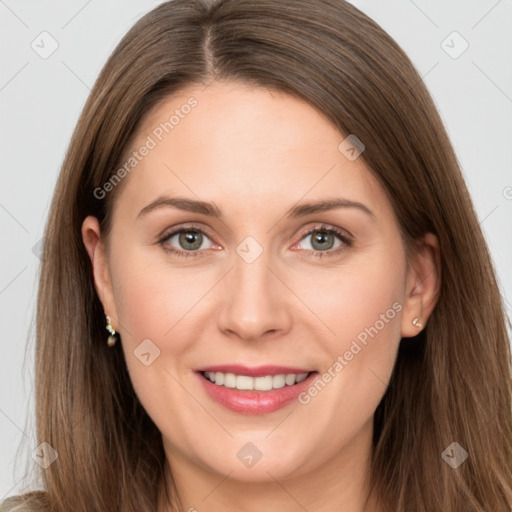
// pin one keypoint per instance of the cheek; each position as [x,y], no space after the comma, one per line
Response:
[152,297]
[155,306]
[359,297]
[360,304]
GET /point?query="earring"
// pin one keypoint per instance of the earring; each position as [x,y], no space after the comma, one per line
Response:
[112,338]
[416,322]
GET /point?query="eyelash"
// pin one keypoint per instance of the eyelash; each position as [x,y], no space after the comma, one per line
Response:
[347,241]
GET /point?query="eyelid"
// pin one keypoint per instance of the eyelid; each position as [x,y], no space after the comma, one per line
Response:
[166,233]
[321,226]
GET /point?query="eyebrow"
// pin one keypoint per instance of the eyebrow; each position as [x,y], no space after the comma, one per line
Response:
[210,209]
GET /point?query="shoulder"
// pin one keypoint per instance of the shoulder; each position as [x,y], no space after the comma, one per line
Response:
[36,501]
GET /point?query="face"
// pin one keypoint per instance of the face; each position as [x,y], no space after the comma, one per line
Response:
[255,288]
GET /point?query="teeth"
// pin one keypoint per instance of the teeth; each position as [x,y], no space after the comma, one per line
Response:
[278,381]
[290,379]
[244,382]
[301,377]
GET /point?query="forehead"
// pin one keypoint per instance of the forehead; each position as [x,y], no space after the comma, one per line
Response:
[243,146]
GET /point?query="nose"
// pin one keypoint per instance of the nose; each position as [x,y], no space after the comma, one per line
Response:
[255,303]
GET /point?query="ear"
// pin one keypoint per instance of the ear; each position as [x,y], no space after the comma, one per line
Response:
[95,246]
[423,283]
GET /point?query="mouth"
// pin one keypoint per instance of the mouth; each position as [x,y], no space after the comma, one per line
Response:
[254,390]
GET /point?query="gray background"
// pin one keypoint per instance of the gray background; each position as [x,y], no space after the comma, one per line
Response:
[41,99]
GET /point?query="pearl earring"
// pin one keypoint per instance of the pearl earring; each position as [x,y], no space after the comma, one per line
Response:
[112,338]
[416,322]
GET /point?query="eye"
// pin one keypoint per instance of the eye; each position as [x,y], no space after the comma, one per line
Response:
[325,241]
[189,241]
[185,241]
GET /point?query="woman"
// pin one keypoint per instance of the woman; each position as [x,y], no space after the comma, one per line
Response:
[264,285]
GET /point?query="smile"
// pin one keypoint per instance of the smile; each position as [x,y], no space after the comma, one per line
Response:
[254,391]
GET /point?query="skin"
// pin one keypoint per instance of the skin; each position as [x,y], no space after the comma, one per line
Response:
[255,153]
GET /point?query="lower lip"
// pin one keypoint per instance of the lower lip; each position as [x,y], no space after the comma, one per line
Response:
[254,402]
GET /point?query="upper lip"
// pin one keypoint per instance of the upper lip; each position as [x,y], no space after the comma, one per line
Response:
[255,371]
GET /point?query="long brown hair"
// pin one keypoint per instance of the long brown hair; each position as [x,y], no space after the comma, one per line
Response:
[451,383]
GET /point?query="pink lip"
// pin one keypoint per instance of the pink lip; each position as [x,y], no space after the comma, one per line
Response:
[255,402]
[259,371]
